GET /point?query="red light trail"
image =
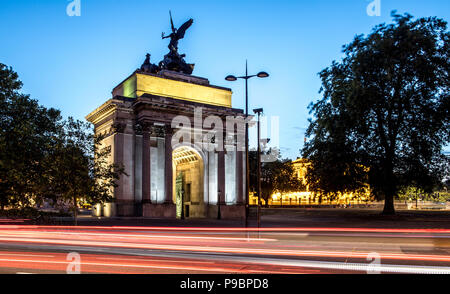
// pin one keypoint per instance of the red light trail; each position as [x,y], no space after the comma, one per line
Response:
[333,244]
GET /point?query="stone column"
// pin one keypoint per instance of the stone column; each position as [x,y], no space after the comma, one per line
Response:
[118,207]
[221,177]
[146,170]
[206,178]
[168,166]
[239,178]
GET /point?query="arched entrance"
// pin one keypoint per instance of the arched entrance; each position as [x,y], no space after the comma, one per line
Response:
[188,182]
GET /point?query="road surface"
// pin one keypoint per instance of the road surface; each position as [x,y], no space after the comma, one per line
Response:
[29,249]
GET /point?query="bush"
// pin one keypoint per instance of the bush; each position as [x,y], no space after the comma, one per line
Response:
[29,213]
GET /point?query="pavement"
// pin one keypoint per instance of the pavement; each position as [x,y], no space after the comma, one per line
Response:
[280,217]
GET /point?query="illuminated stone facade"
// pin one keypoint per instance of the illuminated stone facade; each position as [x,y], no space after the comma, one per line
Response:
[308,197]
[138,122]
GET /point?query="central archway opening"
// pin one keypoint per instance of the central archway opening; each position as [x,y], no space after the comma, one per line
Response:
[188,167]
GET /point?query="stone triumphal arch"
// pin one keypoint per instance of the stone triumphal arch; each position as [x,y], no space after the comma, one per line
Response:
[167,178]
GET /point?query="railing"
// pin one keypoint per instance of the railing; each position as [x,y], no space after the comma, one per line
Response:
[345,203]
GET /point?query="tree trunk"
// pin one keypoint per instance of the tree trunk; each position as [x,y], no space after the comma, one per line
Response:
[417,198]
[389,188]
[266,202]
[389,208]
[75,210]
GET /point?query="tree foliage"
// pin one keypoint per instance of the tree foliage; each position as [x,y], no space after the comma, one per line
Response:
[384,116]
[27,134]
[44,157]
[276,177]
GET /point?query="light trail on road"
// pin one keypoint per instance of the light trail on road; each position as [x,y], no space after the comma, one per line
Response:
[225,250]
[102,263]
[218,229]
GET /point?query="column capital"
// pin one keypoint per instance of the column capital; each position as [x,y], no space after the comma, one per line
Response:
[168,130]
[118,127]
[142,127]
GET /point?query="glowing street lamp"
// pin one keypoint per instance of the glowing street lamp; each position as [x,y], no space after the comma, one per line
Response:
[259,111]
[232,78]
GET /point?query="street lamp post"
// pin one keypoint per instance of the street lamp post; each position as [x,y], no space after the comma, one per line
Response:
[232,78]
[219,214]
[258,211]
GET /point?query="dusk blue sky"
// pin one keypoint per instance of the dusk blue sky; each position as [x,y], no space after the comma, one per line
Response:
[73,63]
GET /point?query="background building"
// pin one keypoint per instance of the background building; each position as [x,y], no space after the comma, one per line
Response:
[308,197]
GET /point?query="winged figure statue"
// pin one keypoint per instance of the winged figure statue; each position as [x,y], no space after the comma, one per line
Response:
[177,34]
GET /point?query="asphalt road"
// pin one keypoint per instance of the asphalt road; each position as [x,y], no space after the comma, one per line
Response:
[28,249]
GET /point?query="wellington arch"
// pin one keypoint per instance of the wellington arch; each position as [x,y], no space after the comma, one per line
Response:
[166,179]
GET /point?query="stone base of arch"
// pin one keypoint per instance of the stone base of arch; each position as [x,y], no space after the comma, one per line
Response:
[124,208]
[211,211]
[226,211]
[159,210]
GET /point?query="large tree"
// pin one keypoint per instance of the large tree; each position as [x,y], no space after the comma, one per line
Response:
[384,116]
[44,157]
[79,167]
[27,134]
